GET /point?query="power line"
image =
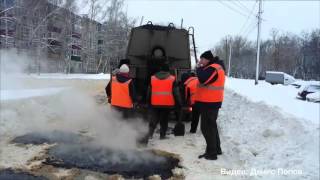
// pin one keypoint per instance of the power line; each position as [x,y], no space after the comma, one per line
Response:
[240,7]
[248,28]
[243,5]
[231,8]
[251,13]
[250,31]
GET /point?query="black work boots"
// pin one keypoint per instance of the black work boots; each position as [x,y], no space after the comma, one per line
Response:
[208,156]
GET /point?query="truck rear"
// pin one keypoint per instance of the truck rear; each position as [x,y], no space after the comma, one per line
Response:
[151,46]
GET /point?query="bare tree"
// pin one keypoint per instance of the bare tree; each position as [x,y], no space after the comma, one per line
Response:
[286,52]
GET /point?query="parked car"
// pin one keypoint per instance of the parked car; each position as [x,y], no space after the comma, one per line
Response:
[275,77]
[307,90]
[314,97]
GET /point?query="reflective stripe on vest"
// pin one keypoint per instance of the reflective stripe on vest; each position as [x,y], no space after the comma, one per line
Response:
[120,95]
[191,85]
[213,92]
[161,91]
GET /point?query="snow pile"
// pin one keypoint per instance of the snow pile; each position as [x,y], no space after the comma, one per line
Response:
[283,97]
[71,76]
[257,140]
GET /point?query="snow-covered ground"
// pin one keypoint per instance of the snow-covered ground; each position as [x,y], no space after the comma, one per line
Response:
[256,139]
[262,135]
[27,93]
[70,76]
[280,96]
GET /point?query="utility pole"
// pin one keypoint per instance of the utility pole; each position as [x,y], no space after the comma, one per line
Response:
[226,48]
[141,20]
[230,52]
[181,23]
[6,24]
[258,42]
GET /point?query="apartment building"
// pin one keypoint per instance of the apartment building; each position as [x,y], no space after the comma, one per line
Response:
[58,39]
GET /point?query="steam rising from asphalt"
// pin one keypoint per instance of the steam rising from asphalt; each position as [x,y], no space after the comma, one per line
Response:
[73,110]
[12,65]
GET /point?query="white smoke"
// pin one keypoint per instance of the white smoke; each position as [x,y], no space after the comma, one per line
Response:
[73,110]
[12,65]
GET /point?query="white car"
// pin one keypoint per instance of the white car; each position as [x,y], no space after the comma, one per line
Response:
[275,77]
[308,90]
[313,97]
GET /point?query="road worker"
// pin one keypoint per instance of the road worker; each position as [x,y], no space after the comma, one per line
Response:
[209,97]
[122,91]
[190,82]
[163,96]
[113,73]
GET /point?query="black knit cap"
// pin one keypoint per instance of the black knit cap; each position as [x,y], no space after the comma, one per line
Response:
[207,55]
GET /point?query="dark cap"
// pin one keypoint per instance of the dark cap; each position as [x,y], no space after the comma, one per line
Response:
[207,55]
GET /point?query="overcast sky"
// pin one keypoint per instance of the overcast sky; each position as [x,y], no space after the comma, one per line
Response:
[215,19]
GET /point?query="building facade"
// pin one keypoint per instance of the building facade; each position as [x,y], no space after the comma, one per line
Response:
[57,39]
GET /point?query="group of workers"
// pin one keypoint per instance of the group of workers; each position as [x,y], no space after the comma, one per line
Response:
[201,92]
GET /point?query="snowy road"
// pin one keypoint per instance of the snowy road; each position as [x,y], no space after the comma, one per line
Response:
[254,137]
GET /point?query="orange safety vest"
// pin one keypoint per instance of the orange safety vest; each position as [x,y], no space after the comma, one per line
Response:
[212,92]
[161,91]
[191,85]
[120,95]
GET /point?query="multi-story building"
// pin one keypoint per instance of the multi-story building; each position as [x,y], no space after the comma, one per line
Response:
[58,39]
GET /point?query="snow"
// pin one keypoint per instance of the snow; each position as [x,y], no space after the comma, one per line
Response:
[255,138]
[258,126]
[14,156]
[314,96]
[15,94]
[283,97]
[71,76]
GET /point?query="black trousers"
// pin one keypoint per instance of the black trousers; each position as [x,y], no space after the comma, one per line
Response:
[195,119]
[126,113]
[210,130]
[159,115]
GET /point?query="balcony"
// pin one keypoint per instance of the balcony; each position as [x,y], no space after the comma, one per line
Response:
[76,35]
[54,29]
[53,42]
[75,46]
[10,33]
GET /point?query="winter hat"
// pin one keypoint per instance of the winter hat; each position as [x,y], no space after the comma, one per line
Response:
[124,68]
[207,55]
